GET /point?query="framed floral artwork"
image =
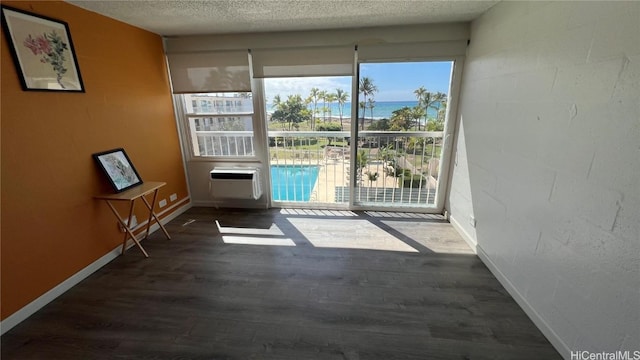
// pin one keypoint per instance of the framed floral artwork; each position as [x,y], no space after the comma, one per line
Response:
[118,168]
[42,51]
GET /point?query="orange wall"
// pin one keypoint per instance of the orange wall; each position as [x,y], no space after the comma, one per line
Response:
[51,225]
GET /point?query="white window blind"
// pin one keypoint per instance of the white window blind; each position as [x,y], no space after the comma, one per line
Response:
[206,72]
[319,61]
[412,51]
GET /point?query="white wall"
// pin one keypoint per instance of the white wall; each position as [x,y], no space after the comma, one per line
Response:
[549,163]
[459,203]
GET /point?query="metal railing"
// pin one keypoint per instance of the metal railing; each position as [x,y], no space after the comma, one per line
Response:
[326,151]
[399,168]
[222,143]
[390,168]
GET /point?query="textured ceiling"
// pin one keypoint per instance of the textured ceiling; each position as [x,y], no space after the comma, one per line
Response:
[190,17]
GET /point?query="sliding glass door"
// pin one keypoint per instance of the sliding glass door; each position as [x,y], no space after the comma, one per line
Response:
[309,122]
[401,117]
[398,122]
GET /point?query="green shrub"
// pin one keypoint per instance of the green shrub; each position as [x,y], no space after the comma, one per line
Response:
[330,126]
[411,181]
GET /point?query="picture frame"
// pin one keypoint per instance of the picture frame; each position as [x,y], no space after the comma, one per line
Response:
[42,51]
[118,168]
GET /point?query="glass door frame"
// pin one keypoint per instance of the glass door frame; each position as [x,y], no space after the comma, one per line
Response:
[262,152]
[451,121]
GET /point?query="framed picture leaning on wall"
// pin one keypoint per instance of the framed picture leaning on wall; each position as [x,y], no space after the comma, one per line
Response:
[118,168]
[42,51]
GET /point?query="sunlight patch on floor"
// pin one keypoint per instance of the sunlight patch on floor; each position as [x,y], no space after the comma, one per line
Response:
[318,212]
[348,234]
[255,240]
[273,230]
[439,237]
[271,236]
[401,215]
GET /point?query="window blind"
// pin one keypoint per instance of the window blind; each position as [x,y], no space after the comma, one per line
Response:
[317,61]
[411,51]
[202,72]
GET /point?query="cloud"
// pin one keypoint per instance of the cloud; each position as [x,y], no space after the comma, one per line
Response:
[302,86]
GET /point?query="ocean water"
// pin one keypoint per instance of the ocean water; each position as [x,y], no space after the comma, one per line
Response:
[382,109]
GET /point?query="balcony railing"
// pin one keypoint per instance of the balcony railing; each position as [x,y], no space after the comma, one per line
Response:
[391,168]
[223,143]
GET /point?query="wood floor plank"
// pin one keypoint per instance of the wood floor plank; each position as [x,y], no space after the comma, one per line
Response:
[199,296]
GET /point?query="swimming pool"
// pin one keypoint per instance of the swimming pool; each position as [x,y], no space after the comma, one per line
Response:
[293,182]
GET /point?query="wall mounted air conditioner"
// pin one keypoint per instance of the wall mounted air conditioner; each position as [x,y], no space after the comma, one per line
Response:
[235,183]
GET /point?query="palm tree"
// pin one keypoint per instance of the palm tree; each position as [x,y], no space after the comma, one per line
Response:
[323,96]
[292,111]
[373,176]
[367,88]
[275,104]
[313,97]
[401,119]
[427,100]
[417,112]
[441,99]
[342,97]
[442,111]
[424,97]
[276,101]
[362,159]
[330,99]
[438,98]
[371,104]
[363,105]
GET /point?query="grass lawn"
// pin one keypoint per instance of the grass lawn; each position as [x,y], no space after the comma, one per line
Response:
[312,148]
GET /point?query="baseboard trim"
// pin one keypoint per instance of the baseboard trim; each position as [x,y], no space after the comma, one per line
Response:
[180,203]
[464,234]
[248,204]
[31,308]
[546,330]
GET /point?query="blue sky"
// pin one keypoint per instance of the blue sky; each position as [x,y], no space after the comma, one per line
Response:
[395,81]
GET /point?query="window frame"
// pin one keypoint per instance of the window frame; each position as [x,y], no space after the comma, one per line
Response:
[191,136]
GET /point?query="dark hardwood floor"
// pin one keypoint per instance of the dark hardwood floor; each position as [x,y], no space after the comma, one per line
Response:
[339,285]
